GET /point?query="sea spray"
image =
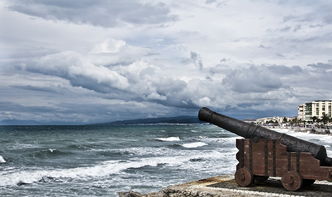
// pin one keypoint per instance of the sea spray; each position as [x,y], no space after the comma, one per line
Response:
[2,160]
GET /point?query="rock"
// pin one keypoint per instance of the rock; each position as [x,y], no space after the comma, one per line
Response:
[136,194]
[130,194]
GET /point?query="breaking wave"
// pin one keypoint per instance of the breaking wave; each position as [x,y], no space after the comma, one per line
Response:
[103,169]
[106,168]
[2,160]
[169,139]
[194,144]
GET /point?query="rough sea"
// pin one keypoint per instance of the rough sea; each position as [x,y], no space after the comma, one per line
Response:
[104,160]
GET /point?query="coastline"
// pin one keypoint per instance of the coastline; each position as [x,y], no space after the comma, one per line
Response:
[225,185]
[222,186]
[320,131]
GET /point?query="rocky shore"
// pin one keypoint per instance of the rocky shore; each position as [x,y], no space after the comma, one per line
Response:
[222,186]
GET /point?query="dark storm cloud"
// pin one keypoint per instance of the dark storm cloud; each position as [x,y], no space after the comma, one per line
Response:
[105,13]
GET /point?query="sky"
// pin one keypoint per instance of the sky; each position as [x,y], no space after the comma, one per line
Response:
[89,61]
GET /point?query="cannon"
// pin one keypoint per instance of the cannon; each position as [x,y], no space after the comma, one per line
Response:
[264,153]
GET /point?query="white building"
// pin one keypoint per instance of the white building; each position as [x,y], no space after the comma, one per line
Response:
[315,109]
[301,112]
[277,119]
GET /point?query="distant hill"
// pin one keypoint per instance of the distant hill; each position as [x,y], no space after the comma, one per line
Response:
[178,119]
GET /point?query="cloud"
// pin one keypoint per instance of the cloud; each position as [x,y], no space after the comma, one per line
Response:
[109,46]
[139,81]
[79,71]
[253,79]
[223,86]
[102,60]
[95,12]
[196,59]
[112,52]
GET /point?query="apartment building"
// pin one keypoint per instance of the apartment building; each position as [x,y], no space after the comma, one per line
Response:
[278,119]
[315,109]
[301,112]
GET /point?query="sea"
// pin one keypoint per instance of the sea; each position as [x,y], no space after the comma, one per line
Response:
[102,160]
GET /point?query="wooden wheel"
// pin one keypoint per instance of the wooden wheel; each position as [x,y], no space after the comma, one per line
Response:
[292,181]
[260,179]
[243,177]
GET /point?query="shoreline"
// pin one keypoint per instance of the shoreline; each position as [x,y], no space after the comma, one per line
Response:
[225,185]
[319,131]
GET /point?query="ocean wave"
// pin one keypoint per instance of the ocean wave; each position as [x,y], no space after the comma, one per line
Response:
[46,153]
[163,124]
[212,162]
[168,139]
[171,149]
[194,144]
[227,142]
[103,169]
[86,146]
[315,138]
[2,160]
[113,152]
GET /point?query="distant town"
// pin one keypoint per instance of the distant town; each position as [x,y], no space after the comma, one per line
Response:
[314,117]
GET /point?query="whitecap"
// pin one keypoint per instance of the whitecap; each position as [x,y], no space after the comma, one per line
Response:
[202,137]
[100,170]
[51,150]
[2,160]
[315,138]
[194,144]
[168,139]
[206,160]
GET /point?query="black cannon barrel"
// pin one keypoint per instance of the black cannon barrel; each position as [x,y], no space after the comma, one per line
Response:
[252,131]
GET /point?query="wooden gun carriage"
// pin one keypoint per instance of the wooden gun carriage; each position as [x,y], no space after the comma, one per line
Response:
[264,153]
[263,158]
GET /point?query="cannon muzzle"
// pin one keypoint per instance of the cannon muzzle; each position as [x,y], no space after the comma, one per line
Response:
[251,131]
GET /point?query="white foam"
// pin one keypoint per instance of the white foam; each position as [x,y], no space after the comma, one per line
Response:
[103,169]
[109,168]
[2,160]
[212,162]
[194,144]
[325,140]
[315,138]
[51,150]
[228,141]
[169,139]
